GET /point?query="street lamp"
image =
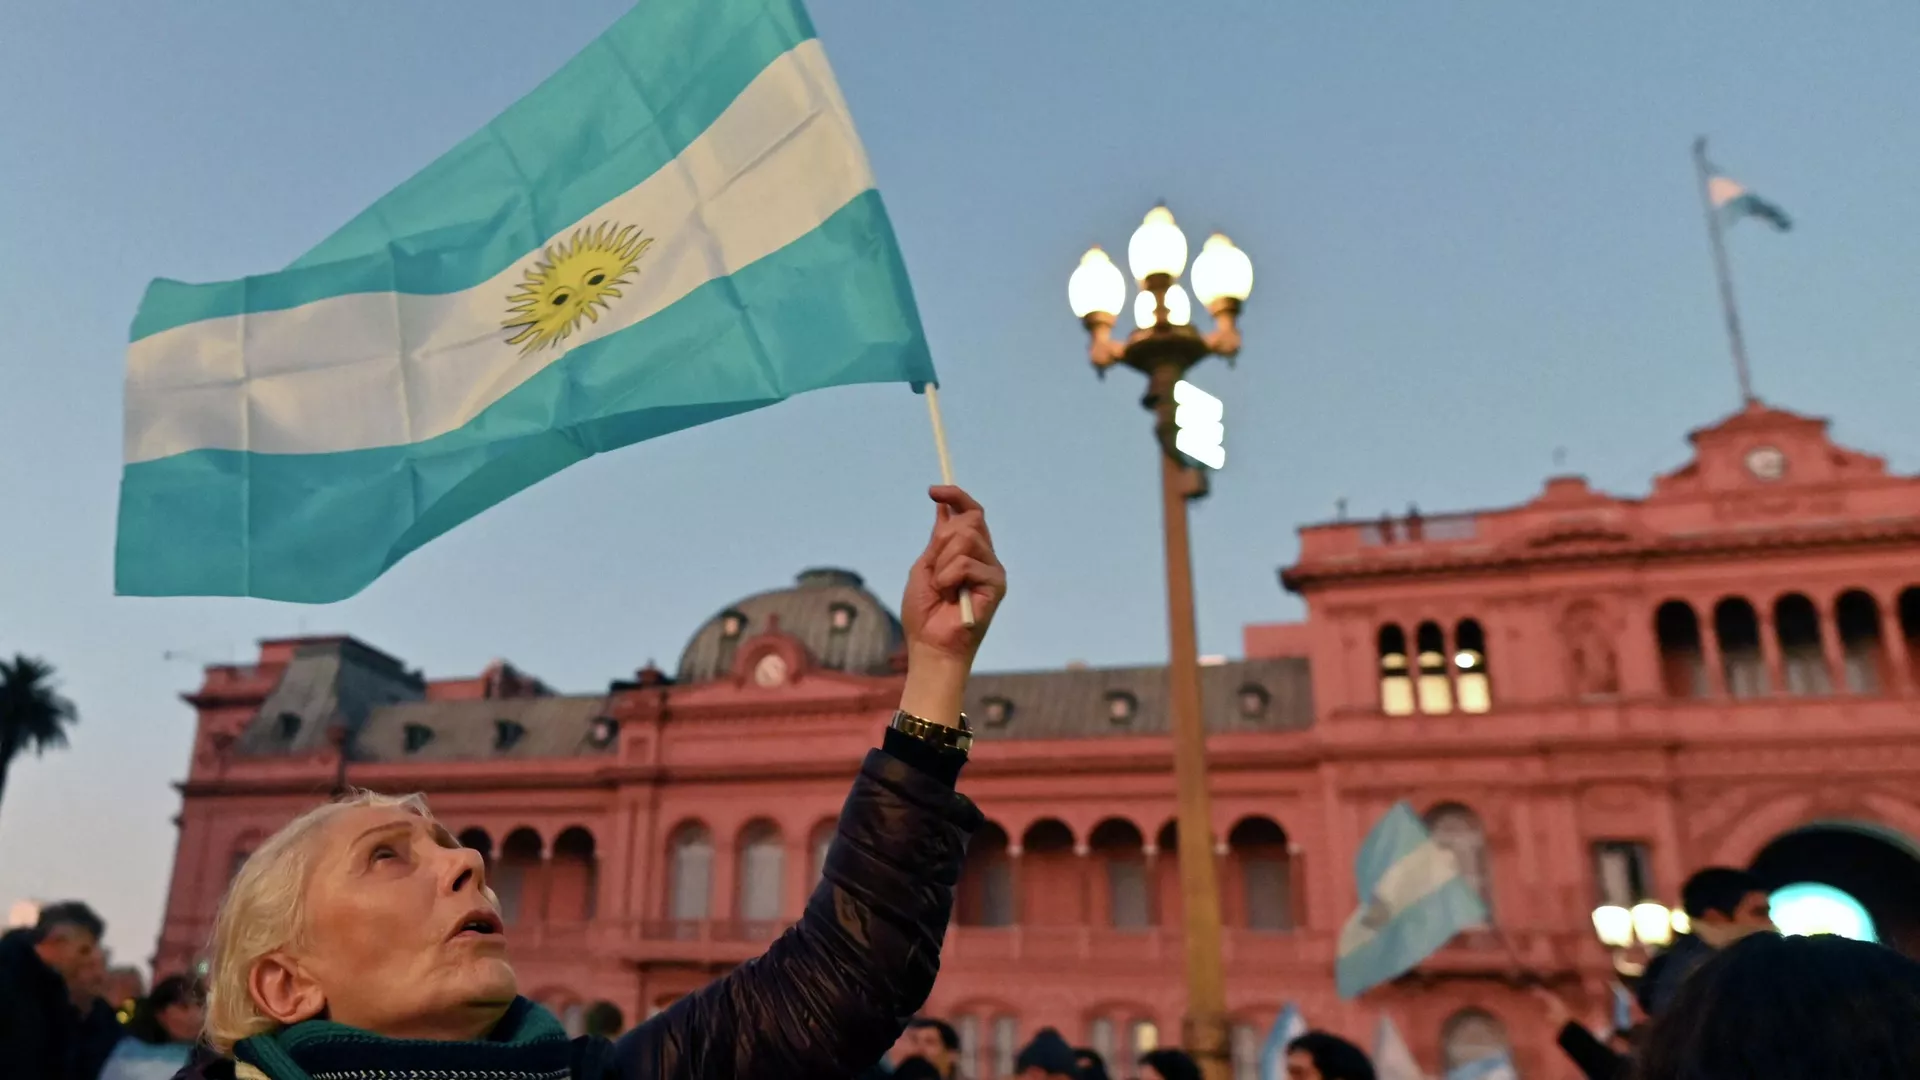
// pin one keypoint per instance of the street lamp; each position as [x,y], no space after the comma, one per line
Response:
[1187,421]
[1648,925]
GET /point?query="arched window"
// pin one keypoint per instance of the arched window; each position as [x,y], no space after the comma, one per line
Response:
[1796,622]
[1737,629]
[690,873]
[1396,683]
[1458,829]
[1470,659]
[1006,1043]
[1258,849]
[763,859]
[1910,629]
[573,877]
[1472,1036]
[1118,846]
[1683,669]
[477,839]
[1100,1037]
[1051,885]
[1245,1049]
[1434,690]
[1856,615]
[985,893]
[822,839]
[514,881]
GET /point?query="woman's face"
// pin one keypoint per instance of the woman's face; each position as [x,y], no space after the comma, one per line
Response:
[183,1020]
[403,937]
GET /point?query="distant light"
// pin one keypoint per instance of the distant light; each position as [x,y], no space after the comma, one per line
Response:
[1466,659]
[1212,661]
[1179,308]
[1810,908]
[1157,246]
[1681,924]
[1613,925]
[1221,272]
[1096,285]
[23,913]
[1652,924]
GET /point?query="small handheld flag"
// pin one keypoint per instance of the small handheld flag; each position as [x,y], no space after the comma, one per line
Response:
[1496,1067]
[1413,900]
[1287,1026]
[679,226]
[1392,1059]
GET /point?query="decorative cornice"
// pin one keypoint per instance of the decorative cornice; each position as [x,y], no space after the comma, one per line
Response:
[1606,552]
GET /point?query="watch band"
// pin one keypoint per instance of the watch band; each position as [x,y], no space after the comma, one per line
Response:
[958,738]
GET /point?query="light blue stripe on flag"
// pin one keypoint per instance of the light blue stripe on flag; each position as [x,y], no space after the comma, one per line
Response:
[1287,1026]
[1497,1067]
[294,435]
[1412,901]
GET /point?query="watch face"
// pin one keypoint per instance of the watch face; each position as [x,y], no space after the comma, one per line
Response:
[771,670]
[1766,463]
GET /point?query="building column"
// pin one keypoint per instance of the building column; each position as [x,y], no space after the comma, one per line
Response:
[1710,655]
[1016,883]
[1832,648]
[1770,653]
[1893,642]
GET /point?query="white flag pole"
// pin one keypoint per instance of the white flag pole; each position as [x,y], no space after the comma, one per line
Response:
[946,477]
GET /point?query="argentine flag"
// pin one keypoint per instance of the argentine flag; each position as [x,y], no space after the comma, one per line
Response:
[1496,1067]
[680,225]
[1392,1059]
[1731,201]
[1412,901]
[1288,1026]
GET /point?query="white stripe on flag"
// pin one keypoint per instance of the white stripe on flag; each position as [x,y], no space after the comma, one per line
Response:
[393,370]
[1412,878]
[1722,191]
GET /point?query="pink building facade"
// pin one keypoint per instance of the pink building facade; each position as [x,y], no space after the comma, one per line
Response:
[1586,695]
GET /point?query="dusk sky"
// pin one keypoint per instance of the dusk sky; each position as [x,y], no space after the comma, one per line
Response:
[1476,236]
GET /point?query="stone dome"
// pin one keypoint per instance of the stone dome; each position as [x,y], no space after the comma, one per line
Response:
[830,612]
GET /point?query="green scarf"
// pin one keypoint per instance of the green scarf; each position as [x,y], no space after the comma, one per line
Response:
[527,1044]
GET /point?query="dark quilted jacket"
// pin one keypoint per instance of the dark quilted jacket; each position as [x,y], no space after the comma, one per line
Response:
[835,991]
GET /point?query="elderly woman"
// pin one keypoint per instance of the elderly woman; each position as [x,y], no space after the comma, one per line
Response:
[362,942]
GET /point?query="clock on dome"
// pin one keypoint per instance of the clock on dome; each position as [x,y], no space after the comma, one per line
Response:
[771,671]
[1766,463]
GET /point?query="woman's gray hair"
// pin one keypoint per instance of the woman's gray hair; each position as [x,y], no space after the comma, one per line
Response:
[265,911]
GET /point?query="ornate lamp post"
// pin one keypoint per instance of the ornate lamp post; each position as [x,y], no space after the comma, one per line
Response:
[1163,346]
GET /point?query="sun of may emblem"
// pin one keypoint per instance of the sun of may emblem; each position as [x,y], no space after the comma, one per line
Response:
[572,282]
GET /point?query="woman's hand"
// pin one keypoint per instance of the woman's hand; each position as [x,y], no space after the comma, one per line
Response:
[940,649]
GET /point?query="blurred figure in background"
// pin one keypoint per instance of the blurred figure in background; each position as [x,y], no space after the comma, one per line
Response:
[1723,905]
[934,1041]
[1167,1064]
[1092,1065]
[604,1020]
[100,1029]
[1320,1056]
[1796,1008]
[40,969]
[1047,1057]
[160,1036]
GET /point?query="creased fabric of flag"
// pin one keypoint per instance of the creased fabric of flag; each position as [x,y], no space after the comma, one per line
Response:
[1392,1058]
[680,225]
[1413,900]
[1732,201]
[1287,1026]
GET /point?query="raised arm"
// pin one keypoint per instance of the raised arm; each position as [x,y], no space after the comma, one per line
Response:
[835,991]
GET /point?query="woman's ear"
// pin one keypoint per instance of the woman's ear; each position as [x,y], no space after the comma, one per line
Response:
[284,990]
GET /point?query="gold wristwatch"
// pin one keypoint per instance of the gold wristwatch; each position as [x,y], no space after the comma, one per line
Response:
[940,736]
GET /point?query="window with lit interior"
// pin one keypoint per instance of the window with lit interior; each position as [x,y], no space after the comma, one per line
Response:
[1396,684]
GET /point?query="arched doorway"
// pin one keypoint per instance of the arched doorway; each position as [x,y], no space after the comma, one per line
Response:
[1875,867]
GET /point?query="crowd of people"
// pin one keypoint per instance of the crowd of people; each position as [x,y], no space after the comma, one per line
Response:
[361,942]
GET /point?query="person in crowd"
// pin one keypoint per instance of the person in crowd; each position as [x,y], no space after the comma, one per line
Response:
[1168,1064]
[1596,1060]
[1092,1065]
[1047,1057]
[1723,905]
[40,969]
[934,1041]
[1791,1008]
[161,1033]
[100,1029]
[605,1021]
[915,1067]
[1318,1055]
[361,940]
